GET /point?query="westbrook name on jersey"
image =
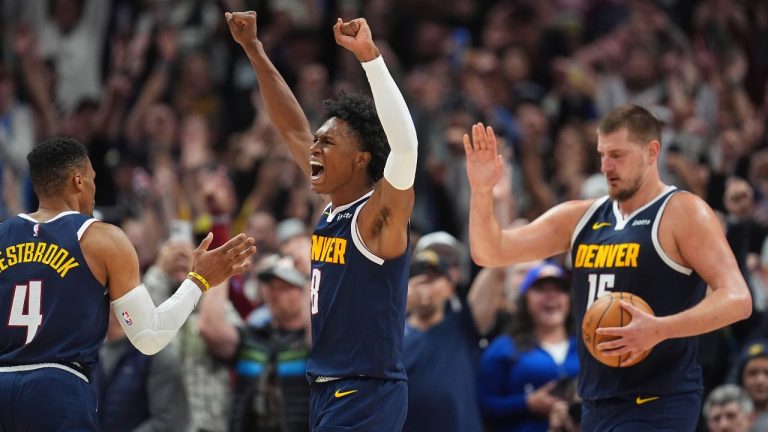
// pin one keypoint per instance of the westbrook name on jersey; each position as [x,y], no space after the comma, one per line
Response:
[357,302]
[57,311]
[615,253]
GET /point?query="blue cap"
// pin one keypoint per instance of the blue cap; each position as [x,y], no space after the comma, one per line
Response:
[546,271]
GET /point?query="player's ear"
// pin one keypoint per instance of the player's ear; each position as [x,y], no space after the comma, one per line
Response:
[77,180]
[653,148]
[363,159]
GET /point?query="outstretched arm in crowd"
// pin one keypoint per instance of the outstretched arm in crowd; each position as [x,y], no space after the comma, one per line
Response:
[220,335]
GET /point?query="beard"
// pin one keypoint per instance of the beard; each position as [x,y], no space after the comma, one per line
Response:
[623,194]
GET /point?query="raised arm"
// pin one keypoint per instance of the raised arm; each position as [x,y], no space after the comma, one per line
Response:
[113,260]
[220,335]
[383,221]
[282,107]
[548,235]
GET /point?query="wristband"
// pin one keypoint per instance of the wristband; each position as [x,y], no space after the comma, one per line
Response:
[201,279]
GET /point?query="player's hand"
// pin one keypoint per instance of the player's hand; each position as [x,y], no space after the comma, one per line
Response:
[642,333]
[484,165]
[229,259]
[541,400]
[242,25]
[356,36]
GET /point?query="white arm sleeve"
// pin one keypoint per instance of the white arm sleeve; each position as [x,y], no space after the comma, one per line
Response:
[395,118]
[151,328]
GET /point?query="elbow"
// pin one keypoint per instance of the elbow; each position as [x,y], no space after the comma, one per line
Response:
[147,348]
[146,343]
[483,259]
[743,304]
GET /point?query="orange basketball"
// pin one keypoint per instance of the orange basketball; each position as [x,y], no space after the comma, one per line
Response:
[607,312]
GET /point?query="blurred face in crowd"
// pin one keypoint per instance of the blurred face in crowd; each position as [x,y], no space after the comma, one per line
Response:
[548,304]
[298,247]
[427,294]
[625,163]
[728,418]
[285,300]
[336,157]
[755,380]
[261,226]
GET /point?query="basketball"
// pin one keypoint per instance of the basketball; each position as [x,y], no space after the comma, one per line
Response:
[607,312]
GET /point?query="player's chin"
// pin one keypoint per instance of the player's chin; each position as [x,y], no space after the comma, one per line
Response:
[317,188]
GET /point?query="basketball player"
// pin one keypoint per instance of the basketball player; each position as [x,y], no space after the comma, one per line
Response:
[645,238]
[59,268]
[360,245]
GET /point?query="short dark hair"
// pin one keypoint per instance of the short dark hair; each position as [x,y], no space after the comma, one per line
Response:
[52,161]
[641,125]
[359,112]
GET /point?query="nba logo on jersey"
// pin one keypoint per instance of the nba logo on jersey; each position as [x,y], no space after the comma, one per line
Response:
[36,230]
[127,318]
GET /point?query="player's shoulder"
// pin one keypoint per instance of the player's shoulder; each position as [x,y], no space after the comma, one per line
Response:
[684,204]
[104,237]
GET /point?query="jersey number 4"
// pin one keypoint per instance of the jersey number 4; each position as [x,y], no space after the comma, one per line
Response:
[29,295]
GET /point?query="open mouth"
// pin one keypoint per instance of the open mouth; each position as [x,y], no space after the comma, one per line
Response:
[316,169]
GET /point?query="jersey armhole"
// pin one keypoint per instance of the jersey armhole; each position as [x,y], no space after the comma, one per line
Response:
[657,244]
[357,239]
[84,227]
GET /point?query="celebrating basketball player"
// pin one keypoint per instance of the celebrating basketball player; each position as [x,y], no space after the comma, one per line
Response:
[59,268]
[645,238]
[360,245]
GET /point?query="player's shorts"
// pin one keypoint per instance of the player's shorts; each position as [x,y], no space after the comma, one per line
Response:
[46,399]
[671,413]
[358,404]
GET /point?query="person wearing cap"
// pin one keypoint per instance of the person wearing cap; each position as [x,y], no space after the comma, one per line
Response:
[271,392]
[440,347]
[728,408]
[753,377]
[526,371]
[451,250]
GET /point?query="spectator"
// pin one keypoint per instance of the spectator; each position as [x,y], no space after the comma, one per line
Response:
[729,409]
[138,392]
[441,340]
[753,376]
[71,32]
[524,373]
[206,379]
[271,391]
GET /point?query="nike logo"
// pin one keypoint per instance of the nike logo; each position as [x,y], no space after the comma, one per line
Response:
[640,401]
[340,393]
[598,225]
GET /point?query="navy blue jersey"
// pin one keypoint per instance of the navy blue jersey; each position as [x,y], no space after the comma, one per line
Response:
[613,253]
[357,302]
[55,309]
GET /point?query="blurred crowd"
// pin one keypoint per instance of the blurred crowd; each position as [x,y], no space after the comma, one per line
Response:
[168,107]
